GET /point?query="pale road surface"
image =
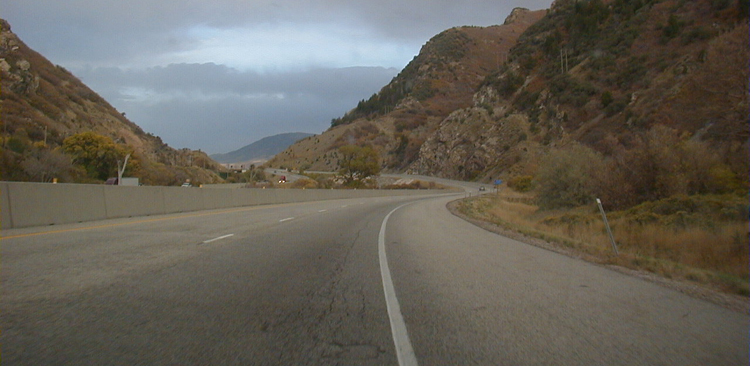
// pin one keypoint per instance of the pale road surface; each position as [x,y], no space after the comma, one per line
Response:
[301,284]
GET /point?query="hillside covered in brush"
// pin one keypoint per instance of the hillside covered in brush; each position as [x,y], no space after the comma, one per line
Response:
[54,126]
[635,100]
[397,120]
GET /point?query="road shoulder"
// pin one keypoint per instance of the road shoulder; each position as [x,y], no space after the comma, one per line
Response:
[732,302]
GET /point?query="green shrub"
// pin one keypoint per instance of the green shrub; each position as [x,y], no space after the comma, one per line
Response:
[568,90]
[526,100]
[616,107]
[698,34]
[521,183]
[673,28]
[566,177]
[508,83]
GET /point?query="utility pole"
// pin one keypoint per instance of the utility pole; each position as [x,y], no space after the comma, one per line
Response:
[564,60]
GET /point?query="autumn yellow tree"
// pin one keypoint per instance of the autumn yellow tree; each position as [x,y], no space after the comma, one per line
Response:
[96,153]
[358,163]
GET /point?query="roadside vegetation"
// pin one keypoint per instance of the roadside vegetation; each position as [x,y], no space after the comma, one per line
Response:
[623,104]
[700,238]
[677,207]
[89,157]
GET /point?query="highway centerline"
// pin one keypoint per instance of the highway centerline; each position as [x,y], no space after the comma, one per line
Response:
[286,219]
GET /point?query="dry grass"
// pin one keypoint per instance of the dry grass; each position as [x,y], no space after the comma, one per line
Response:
[715,254]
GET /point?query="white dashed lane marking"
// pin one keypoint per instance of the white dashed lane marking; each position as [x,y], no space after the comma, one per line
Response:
[219,238]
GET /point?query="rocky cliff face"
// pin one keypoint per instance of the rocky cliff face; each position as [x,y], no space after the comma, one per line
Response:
[441,79]
[655,90]
[477,141]
[516,15]
[603,86]
[21,81]
[42,104]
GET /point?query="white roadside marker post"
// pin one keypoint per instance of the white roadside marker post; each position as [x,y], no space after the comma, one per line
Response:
[606,224]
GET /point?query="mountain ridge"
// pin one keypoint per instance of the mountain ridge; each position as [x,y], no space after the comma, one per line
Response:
[261,150]
[626,80]
[44,104]
[400,117]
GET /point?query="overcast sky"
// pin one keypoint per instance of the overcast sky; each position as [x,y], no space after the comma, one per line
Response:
[217,75]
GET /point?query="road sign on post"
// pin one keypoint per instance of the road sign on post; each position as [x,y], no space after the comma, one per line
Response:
[498,182]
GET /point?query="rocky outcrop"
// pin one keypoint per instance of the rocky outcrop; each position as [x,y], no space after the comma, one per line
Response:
[15,71]
[491,101]
[441,79]
[481,141]
[516,14]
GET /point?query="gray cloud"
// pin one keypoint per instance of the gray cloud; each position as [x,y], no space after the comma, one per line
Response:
[216,75]
[216,79]
[73,32]
[219,109]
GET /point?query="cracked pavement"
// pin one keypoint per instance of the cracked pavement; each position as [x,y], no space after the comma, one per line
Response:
[300,284]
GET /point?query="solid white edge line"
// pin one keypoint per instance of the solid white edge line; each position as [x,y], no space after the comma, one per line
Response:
[404,350]
[219,238]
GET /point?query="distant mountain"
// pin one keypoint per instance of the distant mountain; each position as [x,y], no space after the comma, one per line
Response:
[262,149]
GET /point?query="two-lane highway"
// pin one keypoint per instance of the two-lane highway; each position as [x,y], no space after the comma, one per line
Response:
[285,284]
[301,284]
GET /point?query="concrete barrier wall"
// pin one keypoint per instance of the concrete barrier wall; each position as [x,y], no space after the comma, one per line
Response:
[133,201]
[4,207]
[38,204]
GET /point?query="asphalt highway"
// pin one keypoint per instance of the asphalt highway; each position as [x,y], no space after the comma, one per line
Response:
[304,284]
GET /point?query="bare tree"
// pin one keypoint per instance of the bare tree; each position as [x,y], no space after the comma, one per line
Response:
[44,164]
